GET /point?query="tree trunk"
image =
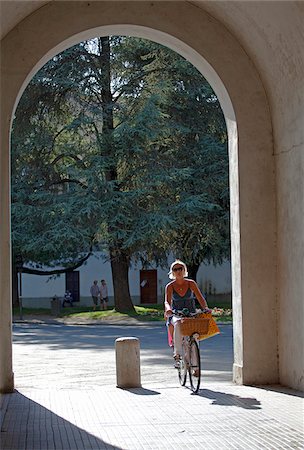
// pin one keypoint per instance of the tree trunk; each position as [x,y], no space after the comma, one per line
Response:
[119,261]
[120,271]
[192,270]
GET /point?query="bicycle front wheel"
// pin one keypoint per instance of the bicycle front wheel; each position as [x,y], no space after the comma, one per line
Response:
[183,367]
[194,366]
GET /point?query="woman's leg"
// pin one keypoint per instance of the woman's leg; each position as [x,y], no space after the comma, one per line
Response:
[177,338]
[171,330]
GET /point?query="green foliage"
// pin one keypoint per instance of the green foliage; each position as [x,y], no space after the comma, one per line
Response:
[119,143]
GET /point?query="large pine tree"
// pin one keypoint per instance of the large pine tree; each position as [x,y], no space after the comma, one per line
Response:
[119,144]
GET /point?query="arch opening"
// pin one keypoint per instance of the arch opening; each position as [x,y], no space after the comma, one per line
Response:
[211,76]
[229,104]
[218,86]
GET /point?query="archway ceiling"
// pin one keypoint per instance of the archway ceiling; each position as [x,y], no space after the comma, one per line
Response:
[271,32]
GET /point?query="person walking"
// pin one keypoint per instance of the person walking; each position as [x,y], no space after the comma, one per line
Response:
[104,298]
[94,293]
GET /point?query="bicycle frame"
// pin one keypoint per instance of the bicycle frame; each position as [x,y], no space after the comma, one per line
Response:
[190,362]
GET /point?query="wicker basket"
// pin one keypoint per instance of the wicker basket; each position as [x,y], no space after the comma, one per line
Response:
[188,326]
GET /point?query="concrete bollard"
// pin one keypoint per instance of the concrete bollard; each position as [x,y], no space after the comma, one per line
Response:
[127,362]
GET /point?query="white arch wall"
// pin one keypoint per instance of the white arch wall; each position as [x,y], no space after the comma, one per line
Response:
[272,32]
[198,36]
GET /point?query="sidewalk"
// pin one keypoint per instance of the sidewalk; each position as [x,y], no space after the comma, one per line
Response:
[66,398]
[154,417]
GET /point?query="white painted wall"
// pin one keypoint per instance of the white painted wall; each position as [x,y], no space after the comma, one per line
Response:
[45,287]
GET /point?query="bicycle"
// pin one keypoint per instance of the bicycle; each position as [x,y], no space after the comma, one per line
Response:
[190,362]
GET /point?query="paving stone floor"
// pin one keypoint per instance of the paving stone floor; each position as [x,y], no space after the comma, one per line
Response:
[60,403]
[222,416]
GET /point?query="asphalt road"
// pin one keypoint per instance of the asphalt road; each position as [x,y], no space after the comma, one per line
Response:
[76,356]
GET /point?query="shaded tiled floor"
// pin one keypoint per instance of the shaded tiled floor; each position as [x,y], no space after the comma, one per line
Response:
[222,416]
[66,397]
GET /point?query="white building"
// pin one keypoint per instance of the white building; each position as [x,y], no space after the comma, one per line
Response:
[37,291]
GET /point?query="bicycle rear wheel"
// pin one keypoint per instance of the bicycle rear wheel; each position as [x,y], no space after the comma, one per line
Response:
[194,366]
[183,366]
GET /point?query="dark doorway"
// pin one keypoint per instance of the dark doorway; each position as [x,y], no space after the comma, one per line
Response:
[148,286]
[72,284]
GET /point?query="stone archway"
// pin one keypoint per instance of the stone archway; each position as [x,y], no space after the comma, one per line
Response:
[235,80]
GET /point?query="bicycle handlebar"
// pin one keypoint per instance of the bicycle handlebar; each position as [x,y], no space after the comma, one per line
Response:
[186,313]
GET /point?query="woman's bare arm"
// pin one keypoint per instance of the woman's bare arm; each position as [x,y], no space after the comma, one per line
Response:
[168,299]
[198,294]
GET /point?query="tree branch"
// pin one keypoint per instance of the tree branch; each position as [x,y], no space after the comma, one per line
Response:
[68,180]
[55,271]
[68,155]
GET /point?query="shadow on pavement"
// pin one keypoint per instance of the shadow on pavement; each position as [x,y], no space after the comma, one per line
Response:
[84,337]
[220,398]
[29,425]
[282,390]
[141,391]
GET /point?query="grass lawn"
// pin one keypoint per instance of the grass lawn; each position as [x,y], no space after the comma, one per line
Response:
[153,312]
[141,313]
[32,311]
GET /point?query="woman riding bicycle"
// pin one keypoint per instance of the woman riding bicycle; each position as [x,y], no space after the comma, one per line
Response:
[179,295]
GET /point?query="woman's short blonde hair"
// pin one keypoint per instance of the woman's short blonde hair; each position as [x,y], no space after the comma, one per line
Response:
[175,263]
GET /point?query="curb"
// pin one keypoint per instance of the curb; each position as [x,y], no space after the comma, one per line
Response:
[61,321]
[113,322]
